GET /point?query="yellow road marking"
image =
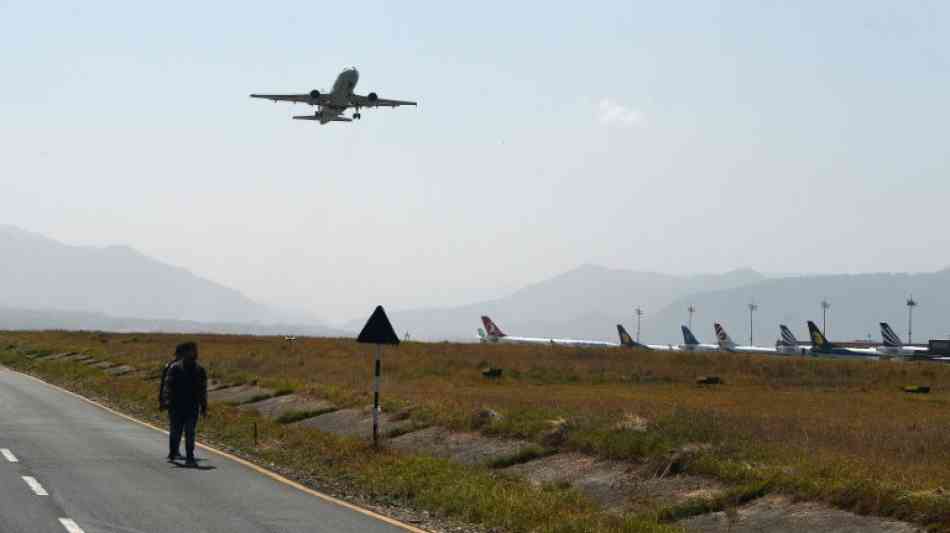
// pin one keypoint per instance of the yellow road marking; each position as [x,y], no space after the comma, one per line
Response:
[260,470]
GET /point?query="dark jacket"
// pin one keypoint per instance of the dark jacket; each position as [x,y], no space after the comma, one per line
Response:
[186,387]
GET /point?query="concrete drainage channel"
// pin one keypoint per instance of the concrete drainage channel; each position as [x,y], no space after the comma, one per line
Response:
[618,486]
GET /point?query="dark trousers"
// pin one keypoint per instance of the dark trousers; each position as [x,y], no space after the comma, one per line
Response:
[182,420]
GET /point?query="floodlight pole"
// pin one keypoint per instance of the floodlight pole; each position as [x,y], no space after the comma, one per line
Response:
[639,314]
[825,306]
[911,304]
[752,308]
[379,350]
[691,310]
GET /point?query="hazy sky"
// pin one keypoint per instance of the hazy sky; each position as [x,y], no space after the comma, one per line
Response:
[678,137]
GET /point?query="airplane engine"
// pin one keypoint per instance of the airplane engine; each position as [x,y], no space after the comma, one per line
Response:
[315,94]
[372,97]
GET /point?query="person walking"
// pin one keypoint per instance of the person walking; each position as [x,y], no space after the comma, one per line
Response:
[173,447]
[186,389]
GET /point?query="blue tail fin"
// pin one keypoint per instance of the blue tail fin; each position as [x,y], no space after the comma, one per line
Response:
[688,337]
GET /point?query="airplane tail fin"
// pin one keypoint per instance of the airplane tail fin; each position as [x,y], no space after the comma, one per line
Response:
[492,329]
[688,337]
[817,337]
[788,338]
[626,339]
[481,335]
[890,338]
[725,342]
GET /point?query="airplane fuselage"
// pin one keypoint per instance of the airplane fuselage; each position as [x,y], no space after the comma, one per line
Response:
[699,347]
[340,95]
[858,353]
[800,349]
[343,87]
[550,341]
[903,351]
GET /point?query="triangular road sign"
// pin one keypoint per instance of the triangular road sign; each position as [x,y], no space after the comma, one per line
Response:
[378,330]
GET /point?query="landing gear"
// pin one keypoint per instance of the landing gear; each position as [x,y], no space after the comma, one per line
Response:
[357,116]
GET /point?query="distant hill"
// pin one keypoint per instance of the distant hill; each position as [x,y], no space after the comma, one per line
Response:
[38,273]
[584,302]
[44,319]
[858,303]
[588,301]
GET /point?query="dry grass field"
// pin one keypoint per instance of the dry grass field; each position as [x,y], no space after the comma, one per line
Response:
[835,431]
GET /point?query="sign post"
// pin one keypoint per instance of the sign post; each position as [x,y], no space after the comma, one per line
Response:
[379,331]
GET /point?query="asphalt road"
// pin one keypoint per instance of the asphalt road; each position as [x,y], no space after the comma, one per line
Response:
[107,474]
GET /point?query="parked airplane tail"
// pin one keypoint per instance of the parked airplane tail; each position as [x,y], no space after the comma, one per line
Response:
[725,342]
[788,338]
[626,339]
[817,337]
[688,337]
[492,329]
[890,338]
[481,335]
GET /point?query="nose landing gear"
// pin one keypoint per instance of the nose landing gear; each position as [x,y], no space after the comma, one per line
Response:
[357,115]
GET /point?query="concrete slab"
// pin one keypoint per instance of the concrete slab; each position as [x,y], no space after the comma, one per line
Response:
[120,370]
[778,514]
[214,384]
[467,448]
[290,403]
[238,395]
[616,485]
[103,364]
[60,355]
[354,422]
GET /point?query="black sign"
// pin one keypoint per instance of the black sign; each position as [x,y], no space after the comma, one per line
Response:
[378,330]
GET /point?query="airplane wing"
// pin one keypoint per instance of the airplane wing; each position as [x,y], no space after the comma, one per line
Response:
[371,100]
[298,98]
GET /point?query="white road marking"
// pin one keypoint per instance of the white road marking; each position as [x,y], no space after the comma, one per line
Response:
[35,486]
[71,526]
[8,455]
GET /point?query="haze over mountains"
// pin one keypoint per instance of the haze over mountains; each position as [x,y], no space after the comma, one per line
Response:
[47,284]
[587,303]
[92,287]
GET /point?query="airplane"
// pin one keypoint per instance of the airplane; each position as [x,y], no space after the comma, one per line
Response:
[493,333]
[894,347]
[627,340]
[726,343]
[331,105]
[789,344]
[821,346]
[692,344]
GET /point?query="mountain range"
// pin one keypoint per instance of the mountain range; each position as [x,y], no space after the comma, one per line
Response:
[589,301]
[585,302]
[47,284]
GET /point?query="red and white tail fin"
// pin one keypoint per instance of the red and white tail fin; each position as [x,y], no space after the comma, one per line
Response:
[492,329]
